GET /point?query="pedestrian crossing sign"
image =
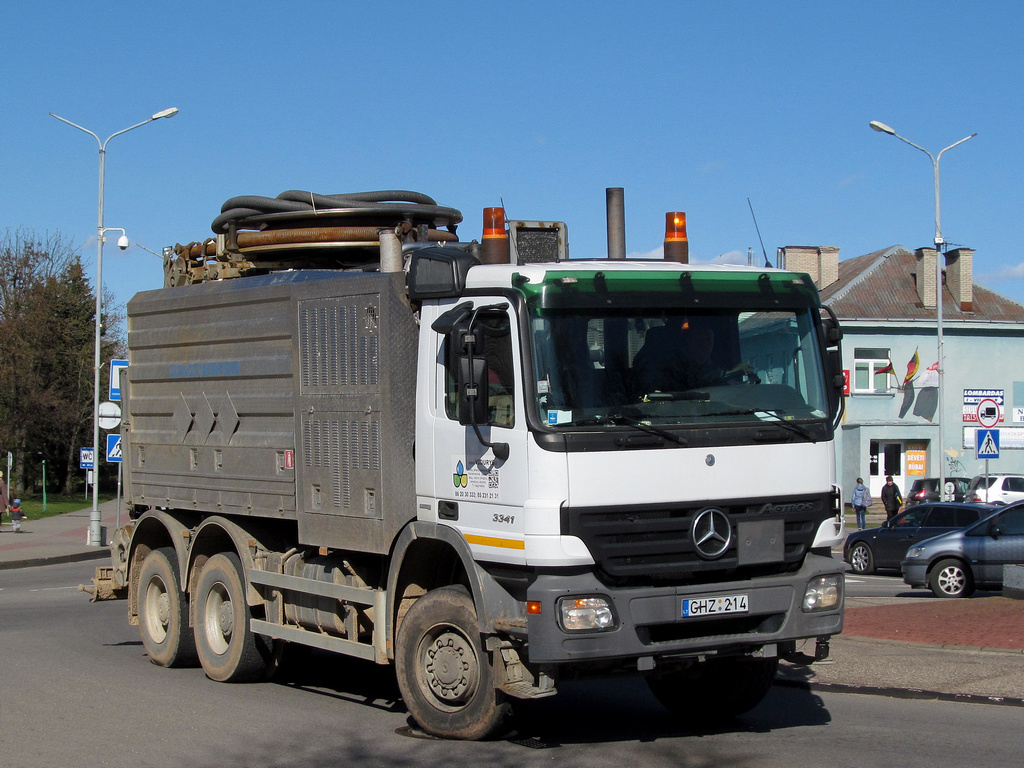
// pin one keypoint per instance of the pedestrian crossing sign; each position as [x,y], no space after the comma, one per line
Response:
[114,448]
[987,442]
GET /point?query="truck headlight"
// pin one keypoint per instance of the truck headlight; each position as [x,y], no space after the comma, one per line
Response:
[586,614]
[823,593]
[915,552]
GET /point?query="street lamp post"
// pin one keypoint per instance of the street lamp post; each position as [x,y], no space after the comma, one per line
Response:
[95,529]
[939,258]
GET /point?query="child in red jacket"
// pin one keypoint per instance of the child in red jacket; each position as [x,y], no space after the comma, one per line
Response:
[16,515]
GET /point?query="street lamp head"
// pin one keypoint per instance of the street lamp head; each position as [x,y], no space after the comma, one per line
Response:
[882,127]
[166,113]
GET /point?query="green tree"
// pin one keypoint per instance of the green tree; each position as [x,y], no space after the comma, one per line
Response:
[47,324]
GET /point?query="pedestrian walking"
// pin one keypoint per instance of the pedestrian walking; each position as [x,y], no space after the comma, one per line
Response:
[861,501]
[892,499]
[16,516]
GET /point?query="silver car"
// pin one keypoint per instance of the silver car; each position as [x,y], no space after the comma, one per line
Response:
[955,563]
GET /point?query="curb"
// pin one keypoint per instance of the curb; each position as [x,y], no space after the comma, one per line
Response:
[901,693]
[100,554]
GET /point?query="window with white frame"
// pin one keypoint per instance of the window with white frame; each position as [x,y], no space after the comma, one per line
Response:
[871,370]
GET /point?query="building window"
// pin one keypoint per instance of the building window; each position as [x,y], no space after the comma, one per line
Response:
[871,367]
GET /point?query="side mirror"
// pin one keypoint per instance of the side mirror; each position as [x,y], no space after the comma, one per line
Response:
[472,382]
[994,530]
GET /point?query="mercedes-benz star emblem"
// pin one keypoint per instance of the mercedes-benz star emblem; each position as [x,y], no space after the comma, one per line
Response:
[711,533]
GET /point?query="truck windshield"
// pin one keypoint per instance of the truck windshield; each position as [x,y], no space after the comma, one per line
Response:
[694,368]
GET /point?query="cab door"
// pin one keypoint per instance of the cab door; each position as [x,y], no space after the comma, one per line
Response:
[479,492]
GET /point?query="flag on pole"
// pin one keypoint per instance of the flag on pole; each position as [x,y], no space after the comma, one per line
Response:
[930,377]
[912,367]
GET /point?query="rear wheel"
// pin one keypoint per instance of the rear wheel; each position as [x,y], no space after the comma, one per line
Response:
[861,559]
[715,690]
[163,612]
[951,578]
[229,650]
[443,670]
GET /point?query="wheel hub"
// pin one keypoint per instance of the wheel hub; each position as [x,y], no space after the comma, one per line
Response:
[225,618]
[163,609]
[450,667]
[951,580]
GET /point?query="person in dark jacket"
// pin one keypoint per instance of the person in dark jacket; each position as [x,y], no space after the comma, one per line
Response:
[891,498]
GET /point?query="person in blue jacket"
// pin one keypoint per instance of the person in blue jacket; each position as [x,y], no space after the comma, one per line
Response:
[861,501]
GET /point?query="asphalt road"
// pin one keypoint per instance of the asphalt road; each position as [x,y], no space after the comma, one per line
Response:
[77,690]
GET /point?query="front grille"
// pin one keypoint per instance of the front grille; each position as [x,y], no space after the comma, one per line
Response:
[653,545]
[711,629]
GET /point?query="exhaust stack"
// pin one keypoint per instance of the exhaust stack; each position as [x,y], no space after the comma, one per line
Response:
[677,246]
[615,202]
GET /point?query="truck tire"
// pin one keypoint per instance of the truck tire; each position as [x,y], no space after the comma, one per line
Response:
[444,673]
[163,612]
[229,651]
[715,690]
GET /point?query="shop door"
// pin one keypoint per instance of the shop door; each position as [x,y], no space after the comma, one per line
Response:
[887,458]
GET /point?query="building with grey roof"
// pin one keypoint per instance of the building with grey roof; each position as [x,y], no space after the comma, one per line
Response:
[886,303]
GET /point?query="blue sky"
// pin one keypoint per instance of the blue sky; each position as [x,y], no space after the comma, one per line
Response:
[693,106]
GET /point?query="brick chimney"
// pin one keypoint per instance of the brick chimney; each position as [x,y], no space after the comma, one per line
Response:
[820,262]
[925,276]
[959,277]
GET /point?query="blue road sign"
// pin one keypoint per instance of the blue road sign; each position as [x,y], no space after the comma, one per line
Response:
[115,378]
[114,448]
[987,442]
[86,458]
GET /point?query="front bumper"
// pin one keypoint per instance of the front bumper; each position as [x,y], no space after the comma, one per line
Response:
[650,624]
[915,573]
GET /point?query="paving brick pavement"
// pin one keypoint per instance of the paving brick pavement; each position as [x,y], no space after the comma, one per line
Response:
[980,622]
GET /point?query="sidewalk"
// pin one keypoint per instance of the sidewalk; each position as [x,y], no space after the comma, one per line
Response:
[922,647]
[58,539]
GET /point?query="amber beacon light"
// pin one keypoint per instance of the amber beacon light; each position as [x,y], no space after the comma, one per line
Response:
[677,247]
[495,239]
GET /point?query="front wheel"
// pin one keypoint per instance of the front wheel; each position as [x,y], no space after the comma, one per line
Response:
[163,612]
[443,670]
[861,559]
[229,650]
[715,690]
[951,578]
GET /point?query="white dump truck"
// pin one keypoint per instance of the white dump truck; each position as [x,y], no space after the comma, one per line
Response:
[484,463]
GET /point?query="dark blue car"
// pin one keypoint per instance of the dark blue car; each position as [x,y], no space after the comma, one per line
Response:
[885,547]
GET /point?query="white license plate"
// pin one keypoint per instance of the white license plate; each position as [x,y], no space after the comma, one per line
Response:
[708,606]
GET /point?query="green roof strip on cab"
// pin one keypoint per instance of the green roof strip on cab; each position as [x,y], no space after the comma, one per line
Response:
[664,281]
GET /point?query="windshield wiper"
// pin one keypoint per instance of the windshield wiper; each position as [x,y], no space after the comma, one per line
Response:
[776,419]
[629,421]
[619,418]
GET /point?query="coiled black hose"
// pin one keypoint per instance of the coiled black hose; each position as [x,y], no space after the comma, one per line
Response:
[247,210]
